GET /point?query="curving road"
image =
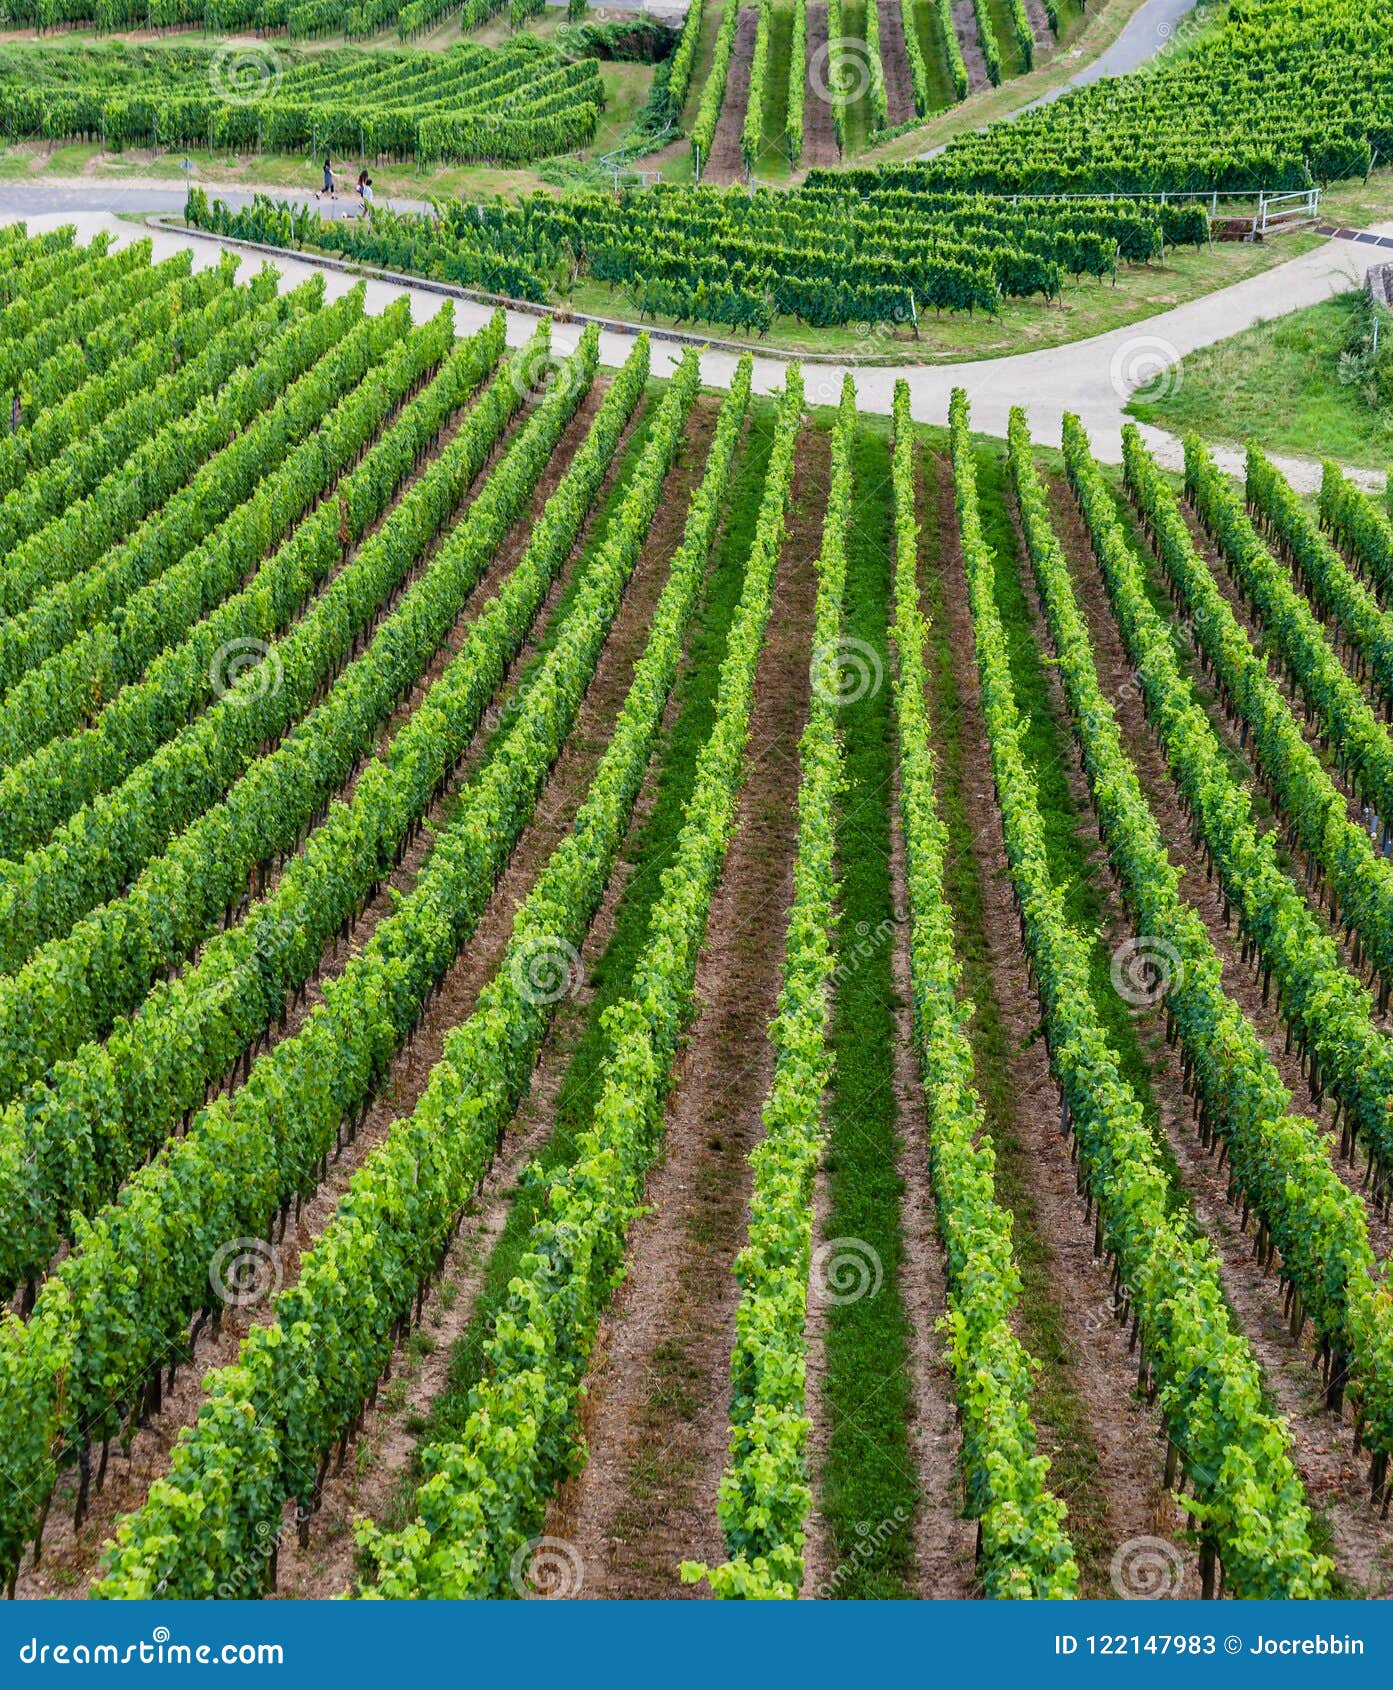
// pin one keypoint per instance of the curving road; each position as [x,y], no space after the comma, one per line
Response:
[1153,25]
[1090,377]
[78,194]
[1149,30]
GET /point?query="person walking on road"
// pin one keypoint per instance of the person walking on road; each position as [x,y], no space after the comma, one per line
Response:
[328,187]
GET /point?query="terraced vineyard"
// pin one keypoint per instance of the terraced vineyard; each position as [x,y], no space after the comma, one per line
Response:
[611,989]
[857,70]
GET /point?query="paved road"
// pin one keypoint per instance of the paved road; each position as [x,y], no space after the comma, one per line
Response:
[1148,31]
[1091,377]
[75,194]
[1153,25]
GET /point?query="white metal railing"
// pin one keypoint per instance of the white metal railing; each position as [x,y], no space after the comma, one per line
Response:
[1275,211]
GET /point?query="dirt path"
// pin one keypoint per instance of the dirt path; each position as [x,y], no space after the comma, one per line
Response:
[657,1417]
[1243,613]
[1127,1467]
[944,1542]
[1077,378]
[819,137]
[1240,980]
[69,1562]
[727,162]
[1321,1445]
[819,1554]
[1040,26]
[965,28]
[1294,859]
[422,1363]
[894,60]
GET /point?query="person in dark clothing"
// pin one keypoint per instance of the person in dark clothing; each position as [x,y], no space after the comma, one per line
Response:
[328,187]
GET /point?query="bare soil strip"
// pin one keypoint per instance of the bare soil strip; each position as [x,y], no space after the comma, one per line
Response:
[1310,726]
[965,28]
[819,137]
[1040,25]
[894,60]
[657,1414]
[1322,1446]
[421,1364]
[944,1546]
[819,1556]
[1311,731]
[1126,1464]
[68,1564]
[1240,980]
[727,162]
